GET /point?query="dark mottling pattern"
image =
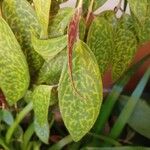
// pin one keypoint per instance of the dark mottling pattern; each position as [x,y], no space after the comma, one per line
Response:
[14,73]
[80,114]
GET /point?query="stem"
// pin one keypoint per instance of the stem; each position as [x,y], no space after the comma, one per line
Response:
[19,118]
[89,11]
[66,140]
[106,139]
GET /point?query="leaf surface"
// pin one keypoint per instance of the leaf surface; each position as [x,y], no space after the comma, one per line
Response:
[14,73]
[42,8]
[100,40]
[80,113]
[41,100]
[49,48]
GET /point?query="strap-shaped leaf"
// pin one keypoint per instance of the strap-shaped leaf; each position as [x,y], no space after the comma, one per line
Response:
[42,8]
[125,47]
[59,23]
[51,70]
[14,73]
[25,20]
[49,48]
[100,40]
[139,9]
[41,100]
[80,113]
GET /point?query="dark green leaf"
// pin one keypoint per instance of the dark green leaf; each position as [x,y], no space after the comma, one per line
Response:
[79,112]
[14,73]
[100,40]
[82,29]
[117,148]
[48,49]
[142,111]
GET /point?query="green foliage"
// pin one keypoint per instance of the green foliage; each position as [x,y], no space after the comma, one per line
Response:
[100,40]
[14,79]
[80,112]
[25,22]
[51,62]
[42,10]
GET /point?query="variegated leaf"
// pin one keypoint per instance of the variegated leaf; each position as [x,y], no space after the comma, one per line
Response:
[42,8]
[125,47]
[14,73]
[80,112]
[98,3]
[82,29]
[49,48]
[100,40]
[51,70]
[41,100]
[22,19]
[139,9]
[59,23]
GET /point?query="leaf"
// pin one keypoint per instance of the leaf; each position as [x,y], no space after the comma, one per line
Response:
[22,19]
[80,113]
[142,111]
[100,40]
[82,29]
[42,8]
[41,100]
[116,148]
[98,3]
[48,49]
[141,125]
[14,73]
[7,117]
[124,50]
[59,23]
[129,107]
[50,72]
[139,9]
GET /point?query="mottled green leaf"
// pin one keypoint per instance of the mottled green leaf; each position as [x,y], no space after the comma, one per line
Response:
[42,8]
[100,40]
[21,17]
[80,112]
[125,45]
[59,23]
[51,70]
[49,48]
[139,9]
[82,29]
[14,73]
[41,100]
[98,3]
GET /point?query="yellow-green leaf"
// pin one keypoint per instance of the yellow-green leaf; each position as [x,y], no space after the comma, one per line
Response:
[41,100]
[14,73]
[80,112]
[49,48]
[42,8]
[59,22]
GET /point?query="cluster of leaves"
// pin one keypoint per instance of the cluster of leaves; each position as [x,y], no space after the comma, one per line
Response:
[42,64]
